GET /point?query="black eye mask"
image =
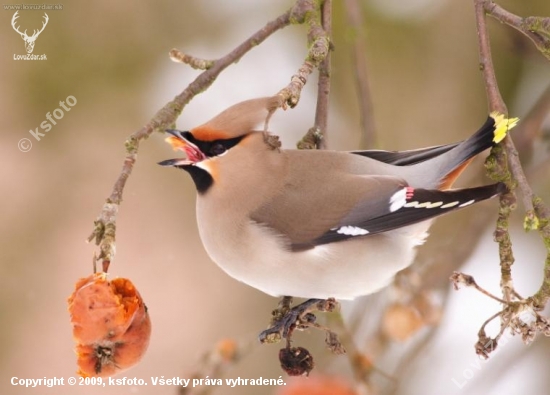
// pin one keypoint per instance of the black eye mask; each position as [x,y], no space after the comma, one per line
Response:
[215,147]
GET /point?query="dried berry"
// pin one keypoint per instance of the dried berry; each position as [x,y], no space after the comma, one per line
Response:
[296,361]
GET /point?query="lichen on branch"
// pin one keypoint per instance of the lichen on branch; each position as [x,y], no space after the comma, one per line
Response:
[504,165]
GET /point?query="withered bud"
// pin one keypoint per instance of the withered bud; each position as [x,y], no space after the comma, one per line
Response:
[485,345]
[296,361]
[461,278]
[333,343]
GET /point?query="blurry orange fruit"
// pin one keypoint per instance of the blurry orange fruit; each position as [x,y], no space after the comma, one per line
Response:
[317,385]
[111,326]
[400,322]
[227,349]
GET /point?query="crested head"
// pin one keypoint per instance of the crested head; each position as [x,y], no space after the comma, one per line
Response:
[238,120]
[205,145]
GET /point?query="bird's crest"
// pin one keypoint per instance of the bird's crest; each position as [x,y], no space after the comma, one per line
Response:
[238,119]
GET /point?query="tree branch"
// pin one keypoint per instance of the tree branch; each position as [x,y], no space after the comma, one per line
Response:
[318,16]
[536,28]
[486,62]
[199,64]
[354,17]
[319,46]
[497,162]
[105,225]
[504,165]
[323,85]
[537,214]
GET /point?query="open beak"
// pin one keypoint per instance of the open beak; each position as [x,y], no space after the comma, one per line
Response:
[179,142]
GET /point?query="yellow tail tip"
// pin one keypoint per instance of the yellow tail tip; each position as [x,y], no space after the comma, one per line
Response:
[502,126]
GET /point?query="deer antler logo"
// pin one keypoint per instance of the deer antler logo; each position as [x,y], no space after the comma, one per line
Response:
[29,41]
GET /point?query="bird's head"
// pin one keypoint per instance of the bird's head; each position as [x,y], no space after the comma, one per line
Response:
[205,145]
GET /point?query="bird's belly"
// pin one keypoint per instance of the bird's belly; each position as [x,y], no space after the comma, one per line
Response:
[343,270]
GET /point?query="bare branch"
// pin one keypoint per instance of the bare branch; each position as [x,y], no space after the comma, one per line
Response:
[497,163]
[199,64]
[465,279]
[308,12]
[105,225]
[354,17]
[536,28]
[486,61]
[504,165]
[323,86]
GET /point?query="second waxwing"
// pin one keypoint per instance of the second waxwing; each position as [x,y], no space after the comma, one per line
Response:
[319,224]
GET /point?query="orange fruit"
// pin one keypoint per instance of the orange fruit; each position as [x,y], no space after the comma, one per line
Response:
[400,322]
[111,326]
[317,385]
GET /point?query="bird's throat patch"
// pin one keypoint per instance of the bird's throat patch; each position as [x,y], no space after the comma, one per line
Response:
[202,178]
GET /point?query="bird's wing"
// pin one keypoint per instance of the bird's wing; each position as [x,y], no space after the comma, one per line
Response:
[407,207]
[306,209]
[327,209]
[406,158]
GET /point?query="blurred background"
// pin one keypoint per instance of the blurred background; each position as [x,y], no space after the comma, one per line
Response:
[112,57]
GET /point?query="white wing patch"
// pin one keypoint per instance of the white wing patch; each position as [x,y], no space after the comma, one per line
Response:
[449,205]
[467,203]
[352,231]
[417,204]
[398,199]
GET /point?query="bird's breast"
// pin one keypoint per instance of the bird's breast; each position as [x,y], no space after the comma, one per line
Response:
[259,257]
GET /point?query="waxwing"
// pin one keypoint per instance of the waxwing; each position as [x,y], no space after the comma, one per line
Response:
[319,223]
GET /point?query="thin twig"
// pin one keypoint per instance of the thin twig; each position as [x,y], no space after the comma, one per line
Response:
[319,46]
[536,28]
[438,264]
[105,225]
[486,61]
[354,17]
[495,99]
[537,214]
[318,17]
[498,160]
[199,64]
[465,279]
[323,85]
[485,344]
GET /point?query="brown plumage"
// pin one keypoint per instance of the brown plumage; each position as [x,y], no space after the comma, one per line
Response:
[318,223]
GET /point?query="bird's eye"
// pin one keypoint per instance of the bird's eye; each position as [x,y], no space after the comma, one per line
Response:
[217,149]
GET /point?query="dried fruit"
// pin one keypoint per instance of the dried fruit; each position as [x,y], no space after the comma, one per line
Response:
[111,326]
[296,361]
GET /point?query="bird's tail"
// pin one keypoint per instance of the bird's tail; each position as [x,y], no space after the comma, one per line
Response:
[453,162]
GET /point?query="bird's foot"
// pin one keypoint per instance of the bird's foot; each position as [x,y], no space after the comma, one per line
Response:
[286,319]
[298,361]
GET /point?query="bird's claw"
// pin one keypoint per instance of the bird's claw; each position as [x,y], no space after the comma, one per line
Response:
[298,317]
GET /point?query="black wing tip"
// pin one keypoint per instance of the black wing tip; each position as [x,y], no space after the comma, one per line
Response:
[501,188]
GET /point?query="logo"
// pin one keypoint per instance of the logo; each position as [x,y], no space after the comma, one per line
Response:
[29,40]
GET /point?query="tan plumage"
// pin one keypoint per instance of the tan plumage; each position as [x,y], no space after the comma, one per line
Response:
[317,224]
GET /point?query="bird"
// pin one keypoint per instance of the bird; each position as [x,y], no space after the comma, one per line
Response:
[319,223]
